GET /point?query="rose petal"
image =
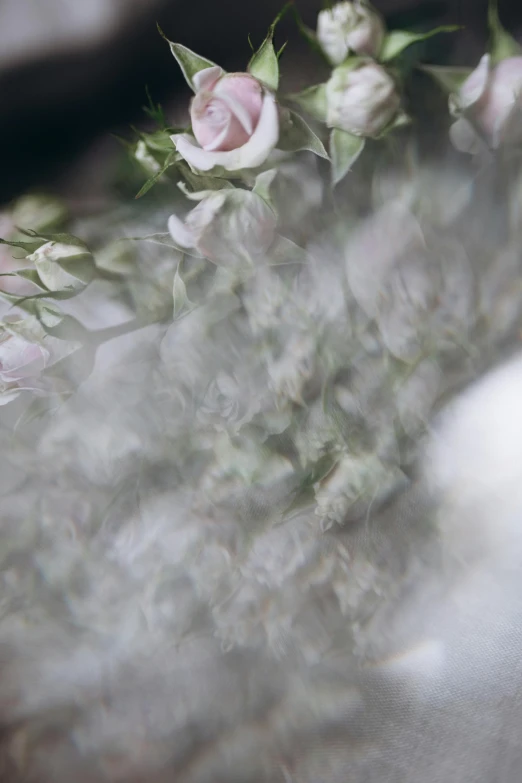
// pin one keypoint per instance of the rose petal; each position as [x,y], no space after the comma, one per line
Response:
[210,118]
[206,79]
[244,95]
[180,233]
[231,137]
[250,155]
[220,140]
[240,112]
[475,85]
[20,359]
[464,137]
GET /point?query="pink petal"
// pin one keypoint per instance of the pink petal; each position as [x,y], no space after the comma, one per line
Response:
[231,137]
[226,113]
[250,155]
[206,79]
[209,117]
[475,85]
[244,93]
[20,359]
[503,95]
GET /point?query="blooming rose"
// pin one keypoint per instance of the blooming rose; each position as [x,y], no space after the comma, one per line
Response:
[234,119]
[361,98]
[349,27]
[21,362]
[489,98]
[226,225]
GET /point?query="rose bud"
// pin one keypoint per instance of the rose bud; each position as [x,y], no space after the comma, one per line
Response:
[234,119]
[63,267]
[361,98]
[488,100]
[226,225]
[21,363]
[349,28]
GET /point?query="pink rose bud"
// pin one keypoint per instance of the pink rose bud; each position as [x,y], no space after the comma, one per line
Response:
[226,112]
[349,28]
[490,98]
[21,362]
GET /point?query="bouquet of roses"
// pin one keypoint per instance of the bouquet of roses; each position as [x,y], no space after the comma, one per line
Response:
[250,354]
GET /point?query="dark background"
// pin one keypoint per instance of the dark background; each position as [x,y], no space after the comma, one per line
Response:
[59,95]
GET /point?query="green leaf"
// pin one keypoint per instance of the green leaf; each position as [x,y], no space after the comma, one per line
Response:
[296,136]
[29,247]
[313,100]
[170,161]
[189,62]
[154,111]
[50,316]
[263,185]
[399,40]
[200,182]
[502,45]
[320,470]
[159,141]
[264,64]
[181,302]
[61,238]
[281,50]
[345,148]
[162,239]
[449,78]
[399,121]
[33,276]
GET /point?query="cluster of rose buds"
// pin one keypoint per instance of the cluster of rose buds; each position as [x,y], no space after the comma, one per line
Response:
[239,128]
[240,153]
[361,96]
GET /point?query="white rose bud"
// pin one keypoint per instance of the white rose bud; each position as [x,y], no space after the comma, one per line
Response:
[349,28]
[63,267]
[226,226]
[361,98]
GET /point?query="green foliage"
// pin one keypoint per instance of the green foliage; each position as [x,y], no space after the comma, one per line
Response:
[345,148]
[397,41]
[189,62]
